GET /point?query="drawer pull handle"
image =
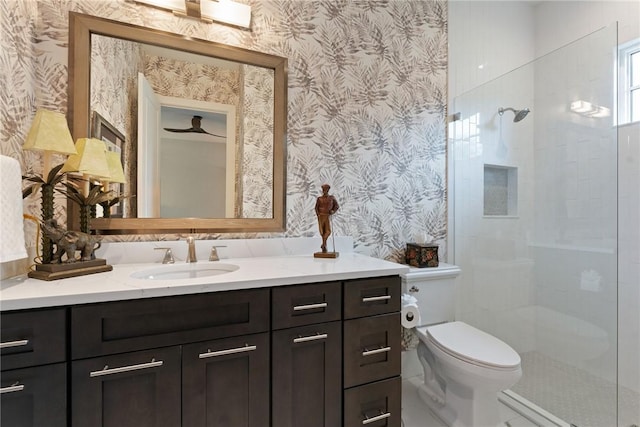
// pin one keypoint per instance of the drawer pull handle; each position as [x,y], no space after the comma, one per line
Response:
[210,353]
[309,306]
[380,298]
[382,416]
[12,388]
[107,371]
[310,338]
[18,343]
[375,351]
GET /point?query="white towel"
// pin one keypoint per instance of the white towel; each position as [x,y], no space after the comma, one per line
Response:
[12,244]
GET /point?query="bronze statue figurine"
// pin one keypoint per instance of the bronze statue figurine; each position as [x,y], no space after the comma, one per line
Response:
[326,205]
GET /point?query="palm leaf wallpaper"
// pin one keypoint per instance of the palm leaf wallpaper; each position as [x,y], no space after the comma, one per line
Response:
[367,103]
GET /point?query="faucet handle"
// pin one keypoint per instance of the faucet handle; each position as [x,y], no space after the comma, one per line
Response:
[213,256]
[168,256]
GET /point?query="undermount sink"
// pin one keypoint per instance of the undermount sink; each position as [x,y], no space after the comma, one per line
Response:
[184,271]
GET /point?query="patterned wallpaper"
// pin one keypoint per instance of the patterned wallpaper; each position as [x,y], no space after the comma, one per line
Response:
[367,103]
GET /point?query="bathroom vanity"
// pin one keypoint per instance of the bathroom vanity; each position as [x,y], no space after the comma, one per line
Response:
[281,341]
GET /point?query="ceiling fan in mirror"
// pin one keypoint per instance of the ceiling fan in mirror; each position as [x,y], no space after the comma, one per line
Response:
[196,127]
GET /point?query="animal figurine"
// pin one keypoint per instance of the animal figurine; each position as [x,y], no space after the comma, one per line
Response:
[69,242]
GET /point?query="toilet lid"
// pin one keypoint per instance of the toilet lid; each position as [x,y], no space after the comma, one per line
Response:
[468,343]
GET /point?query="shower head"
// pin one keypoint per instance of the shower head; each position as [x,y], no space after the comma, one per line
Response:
[519,114]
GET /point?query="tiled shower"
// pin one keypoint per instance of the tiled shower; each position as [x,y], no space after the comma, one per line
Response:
[545,225]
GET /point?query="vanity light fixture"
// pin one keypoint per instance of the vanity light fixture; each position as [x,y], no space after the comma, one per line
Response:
[224,11]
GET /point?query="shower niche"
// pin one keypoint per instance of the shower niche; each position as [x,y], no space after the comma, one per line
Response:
[500,190]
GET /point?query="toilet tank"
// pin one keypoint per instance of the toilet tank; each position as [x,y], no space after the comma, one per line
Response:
[435,289]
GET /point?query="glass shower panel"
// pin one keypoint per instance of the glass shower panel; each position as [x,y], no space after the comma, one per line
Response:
[535,225]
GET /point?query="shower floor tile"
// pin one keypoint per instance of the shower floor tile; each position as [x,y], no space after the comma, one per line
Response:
[574,395]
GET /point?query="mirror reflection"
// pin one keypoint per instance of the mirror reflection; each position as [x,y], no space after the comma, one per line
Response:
[175,165]
[229,179]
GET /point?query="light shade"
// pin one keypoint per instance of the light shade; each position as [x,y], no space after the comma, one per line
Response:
[116,174]
[49,132]
[174,5]
[91,159]
[227,12]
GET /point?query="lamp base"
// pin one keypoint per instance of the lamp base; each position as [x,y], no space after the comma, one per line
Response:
[62,271]
[326,254]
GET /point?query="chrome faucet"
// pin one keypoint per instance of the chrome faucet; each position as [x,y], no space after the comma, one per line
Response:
[191,253]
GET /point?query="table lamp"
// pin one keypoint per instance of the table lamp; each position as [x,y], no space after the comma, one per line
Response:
[90,162]
[49,133]
[116,173]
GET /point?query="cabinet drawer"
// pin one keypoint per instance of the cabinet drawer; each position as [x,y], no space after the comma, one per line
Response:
[34,396]
[371,349]
[306,304]
[368,297]
[374,405]
[118,327]
[32,338]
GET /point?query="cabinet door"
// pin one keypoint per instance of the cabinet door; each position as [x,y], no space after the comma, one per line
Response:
[307,376]
[139,389]
[34,397]
[226,382]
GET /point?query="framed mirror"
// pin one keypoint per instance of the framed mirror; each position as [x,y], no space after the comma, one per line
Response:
[204,145]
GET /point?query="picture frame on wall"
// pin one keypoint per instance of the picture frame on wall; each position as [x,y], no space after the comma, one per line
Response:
[114,141]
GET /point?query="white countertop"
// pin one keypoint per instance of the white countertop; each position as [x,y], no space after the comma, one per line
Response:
[22,293]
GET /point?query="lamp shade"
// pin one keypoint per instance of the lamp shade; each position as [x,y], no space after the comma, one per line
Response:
[49,132]
[91,159]
[115,167]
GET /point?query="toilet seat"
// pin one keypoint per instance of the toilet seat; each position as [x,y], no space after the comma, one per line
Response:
[472,345]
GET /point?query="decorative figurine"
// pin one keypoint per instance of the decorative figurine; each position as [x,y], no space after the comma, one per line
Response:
[326,205]
[69,242]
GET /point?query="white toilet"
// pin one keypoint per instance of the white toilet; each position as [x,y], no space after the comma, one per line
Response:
[464,367]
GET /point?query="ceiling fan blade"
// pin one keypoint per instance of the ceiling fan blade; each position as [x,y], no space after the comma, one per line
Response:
[195,128]
[179,130]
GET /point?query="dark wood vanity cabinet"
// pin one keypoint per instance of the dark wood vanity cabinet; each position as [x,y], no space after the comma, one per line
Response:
[194,360]
[372,365]
[33,381]
[314,355]
[306,366]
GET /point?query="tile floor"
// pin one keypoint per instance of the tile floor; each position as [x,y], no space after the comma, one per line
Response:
[416,414]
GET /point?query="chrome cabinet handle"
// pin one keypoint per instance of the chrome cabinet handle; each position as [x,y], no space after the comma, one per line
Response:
[368,420]
[380,298]
[310,306]
[12,388]
[18,343]
[210,353]
[375,351]
[109,371]
[310,338]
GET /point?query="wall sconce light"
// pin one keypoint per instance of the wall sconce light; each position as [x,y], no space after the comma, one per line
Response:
[224,11]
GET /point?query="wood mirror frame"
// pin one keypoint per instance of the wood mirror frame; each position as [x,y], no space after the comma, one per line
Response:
[81,27]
